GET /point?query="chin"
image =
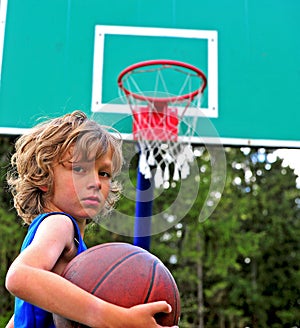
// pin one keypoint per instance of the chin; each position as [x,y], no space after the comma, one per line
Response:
[90,215]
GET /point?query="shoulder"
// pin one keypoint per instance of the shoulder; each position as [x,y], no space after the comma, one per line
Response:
[63,233]
[51,243]
[57,227]
[57,220]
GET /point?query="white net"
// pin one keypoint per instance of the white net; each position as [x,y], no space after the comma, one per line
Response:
[158,118]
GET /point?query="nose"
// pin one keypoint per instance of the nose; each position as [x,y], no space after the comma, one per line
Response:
[94,181]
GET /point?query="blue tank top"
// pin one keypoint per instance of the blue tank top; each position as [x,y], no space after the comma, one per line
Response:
[26,314]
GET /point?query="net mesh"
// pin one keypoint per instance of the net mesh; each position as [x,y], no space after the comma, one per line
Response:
[158,119]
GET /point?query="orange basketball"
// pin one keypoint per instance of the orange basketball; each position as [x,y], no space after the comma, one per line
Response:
[124,275]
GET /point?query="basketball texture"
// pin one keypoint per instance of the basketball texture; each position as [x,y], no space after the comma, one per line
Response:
[124,275]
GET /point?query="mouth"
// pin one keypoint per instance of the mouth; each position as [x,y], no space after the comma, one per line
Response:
[92,201]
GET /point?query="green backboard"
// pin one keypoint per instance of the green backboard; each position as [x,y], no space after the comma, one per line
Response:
[58,56]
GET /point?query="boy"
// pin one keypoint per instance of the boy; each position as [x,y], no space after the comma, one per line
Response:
[62,177]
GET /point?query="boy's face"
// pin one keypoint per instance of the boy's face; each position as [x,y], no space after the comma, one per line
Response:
[81,187]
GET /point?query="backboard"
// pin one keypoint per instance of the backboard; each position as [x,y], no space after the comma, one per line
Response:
[70,57]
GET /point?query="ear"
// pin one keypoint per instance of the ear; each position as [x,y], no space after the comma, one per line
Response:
[44,188]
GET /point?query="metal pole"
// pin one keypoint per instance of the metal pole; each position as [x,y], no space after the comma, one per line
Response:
[143,211]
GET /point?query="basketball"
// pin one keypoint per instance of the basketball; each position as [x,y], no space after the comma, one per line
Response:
[124,275]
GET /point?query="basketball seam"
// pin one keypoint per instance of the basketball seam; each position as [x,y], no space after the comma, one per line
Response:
[151,281]
[174,311]
[175,295]
[87,252]
[113,268]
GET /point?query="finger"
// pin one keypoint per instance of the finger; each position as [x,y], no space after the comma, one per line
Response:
[160,306]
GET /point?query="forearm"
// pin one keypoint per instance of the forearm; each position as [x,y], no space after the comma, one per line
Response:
[57,295]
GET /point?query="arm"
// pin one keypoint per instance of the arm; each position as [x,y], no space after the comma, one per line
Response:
[48,290]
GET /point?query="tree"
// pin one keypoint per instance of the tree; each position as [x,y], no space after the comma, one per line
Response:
[236,269]
[242,263]
[11,231]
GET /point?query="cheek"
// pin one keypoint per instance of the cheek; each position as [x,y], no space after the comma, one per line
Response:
[105,189]
[65,187]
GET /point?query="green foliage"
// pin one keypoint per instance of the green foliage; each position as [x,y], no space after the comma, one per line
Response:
[239,268]
[11,232]
[251,241]
[249,248]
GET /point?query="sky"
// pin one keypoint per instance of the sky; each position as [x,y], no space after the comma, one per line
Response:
[291,158]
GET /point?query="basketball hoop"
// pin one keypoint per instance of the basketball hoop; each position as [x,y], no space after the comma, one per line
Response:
[159,92]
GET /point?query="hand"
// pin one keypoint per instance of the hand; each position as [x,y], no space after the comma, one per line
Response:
[143,315]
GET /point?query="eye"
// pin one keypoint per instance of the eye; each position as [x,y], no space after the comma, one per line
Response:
[78,169]
[105,174]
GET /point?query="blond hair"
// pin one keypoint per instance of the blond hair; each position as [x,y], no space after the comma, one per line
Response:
[49,142]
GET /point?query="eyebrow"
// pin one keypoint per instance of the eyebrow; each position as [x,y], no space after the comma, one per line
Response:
[104,164]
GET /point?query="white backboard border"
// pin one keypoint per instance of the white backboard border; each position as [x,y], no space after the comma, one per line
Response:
[101,31]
